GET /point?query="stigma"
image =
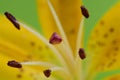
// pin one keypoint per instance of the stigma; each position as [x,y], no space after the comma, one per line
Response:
[55,39]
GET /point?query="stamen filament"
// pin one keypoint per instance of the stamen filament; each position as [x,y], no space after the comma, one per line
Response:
[65,53]
[55,68]
[60,69]
[40,63]
[79,36]
[64,73]
[43,64]
[59,25]
[78,45]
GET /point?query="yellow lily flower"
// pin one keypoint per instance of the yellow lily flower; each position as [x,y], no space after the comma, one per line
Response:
[57,55]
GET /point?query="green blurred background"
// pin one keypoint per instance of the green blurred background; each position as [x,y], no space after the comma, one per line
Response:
[24,10]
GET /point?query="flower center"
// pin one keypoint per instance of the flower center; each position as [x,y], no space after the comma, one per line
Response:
[59,45]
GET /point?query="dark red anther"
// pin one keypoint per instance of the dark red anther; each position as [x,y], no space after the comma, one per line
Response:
[47,72]
[12,19]
[82,54]
[85,12]
[14,64]
[55,39]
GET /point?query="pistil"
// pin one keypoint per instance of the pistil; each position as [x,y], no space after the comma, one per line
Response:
[55,39]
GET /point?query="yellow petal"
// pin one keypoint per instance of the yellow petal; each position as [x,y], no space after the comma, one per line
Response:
[104,45]
[69,14]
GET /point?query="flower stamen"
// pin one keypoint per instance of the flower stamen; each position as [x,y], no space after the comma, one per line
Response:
[12,19]
[84,12]
[82,53]
[14,64]
[47,73]
[59,25]
[52,67]
[55,39]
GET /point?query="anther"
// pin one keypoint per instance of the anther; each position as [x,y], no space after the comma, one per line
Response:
[12,19]
[82,54]
[55,39]
[47,73]
[14,64]
[84,12]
